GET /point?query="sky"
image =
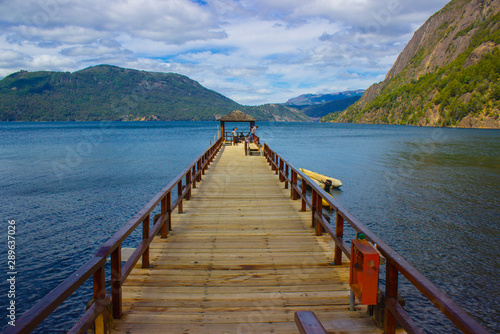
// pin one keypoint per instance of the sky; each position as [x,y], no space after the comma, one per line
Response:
[252,51]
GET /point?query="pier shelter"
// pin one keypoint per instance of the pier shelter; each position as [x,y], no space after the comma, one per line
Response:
[236,116]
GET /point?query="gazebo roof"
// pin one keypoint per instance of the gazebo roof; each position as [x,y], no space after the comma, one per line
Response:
[237,116]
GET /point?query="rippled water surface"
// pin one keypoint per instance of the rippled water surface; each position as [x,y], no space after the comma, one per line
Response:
[430,193]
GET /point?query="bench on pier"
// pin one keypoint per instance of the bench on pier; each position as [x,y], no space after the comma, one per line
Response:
[252,149]
[308,323]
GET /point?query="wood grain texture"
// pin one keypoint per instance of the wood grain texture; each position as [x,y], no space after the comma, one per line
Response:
[241,258]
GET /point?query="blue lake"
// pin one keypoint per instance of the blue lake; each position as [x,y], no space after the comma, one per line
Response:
[430,193]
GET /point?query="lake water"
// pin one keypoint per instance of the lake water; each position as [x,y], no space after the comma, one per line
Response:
[430,193]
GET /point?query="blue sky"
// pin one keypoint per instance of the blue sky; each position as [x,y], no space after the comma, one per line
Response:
[254,52]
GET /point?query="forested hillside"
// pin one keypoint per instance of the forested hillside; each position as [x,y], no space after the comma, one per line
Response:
[447,75]
[111,93]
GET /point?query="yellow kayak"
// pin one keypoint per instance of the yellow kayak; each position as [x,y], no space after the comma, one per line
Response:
[321,178]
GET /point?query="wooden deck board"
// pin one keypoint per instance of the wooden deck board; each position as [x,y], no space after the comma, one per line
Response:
[242,258]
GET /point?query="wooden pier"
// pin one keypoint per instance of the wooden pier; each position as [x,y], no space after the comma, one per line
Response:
[240,246]
[241,258]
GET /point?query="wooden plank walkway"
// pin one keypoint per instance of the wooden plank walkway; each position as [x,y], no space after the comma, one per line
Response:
[242,258]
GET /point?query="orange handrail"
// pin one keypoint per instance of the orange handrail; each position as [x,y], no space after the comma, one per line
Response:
[395,263]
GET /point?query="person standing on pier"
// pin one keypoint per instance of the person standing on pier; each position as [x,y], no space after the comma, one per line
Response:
[254,129]
[235,136]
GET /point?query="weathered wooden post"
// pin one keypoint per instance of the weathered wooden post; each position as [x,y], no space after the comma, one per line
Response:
[287,170]
[116,286]
[391,291]
[339,233]
[199,168]
[282,177]
[304,192]
[99,295]
[294,184]
[313,208]
[319,210]
[179,195]
[145,236]
[188,186]
[164,212]
[193,176]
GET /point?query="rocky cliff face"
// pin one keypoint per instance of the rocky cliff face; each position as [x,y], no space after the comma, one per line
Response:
[447,75]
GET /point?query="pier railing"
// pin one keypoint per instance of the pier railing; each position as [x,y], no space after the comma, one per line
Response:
[395,263]
[228,135]
[95,267]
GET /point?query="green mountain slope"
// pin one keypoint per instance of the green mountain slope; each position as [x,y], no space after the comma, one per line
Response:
[111,93]
[447,75]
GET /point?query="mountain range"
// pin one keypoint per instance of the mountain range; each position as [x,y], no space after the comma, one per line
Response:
[447,75]
[318,105]
[107,92]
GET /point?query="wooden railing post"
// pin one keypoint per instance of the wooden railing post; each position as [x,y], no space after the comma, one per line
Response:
[179,195]
[204,159]
[287,170]
[391,291]
[193,176]
[169,212]
[198,170]
[319,210]
[164,227]
[276,161]
[339,233]
[188,185]
[116,286]
[294,184]
[145,236]
[212,154]
[282,177]
[304,192]
[313,208]
[99,295]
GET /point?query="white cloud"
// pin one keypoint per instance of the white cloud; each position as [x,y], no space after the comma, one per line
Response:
[251,51]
